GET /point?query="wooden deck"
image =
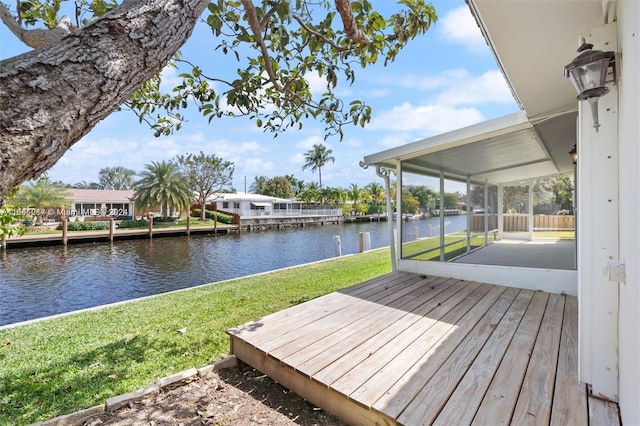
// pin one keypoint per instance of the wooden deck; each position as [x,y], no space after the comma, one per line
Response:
[410,349]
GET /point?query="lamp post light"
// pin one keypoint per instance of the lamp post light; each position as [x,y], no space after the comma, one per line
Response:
[574,154]
[588,73]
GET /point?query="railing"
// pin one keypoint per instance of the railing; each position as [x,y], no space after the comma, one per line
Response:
[283,212]
[520,222]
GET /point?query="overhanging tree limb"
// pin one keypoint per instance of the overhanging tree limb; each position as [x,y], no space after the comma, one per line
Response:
[54,95]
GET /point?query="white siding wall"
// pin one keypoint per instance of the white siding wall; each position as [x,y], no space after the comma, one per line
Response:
[629,130]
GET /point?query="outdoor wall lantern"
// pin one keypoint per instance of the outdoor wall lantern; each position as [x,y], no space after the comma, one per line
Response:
[588,73]
[574,154]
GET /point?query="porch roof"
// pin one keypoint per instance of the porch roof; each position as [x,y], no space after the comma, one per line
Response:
[507,149]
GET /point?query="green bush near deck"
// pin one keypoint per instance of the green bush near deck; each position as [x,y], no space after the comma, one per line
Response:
[60,365]
[85,226]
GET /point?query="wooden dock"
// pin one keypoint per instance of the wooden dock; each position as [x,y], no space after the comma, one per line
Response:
[409,349]
[73,237]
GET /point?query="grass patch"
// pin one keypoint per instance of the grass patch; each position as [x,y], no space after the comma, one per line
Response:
[62,365]
[554,235]
[456,245]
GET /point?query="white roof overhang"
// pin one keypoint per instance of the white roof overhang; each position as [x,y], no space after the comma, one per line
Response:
[504,150]
[532,41]
[260,204]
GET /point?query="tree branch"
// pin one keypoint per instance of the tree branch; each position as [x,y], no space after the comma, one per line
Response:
[317,34]
[349,22]
[38,37]
[254,24]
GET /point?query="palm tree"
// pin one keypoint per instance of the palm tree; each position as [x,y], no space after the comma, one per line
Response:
[41,194]
[163,184]
[376,191]
[296,184]
[87,185]
[258,185]
[316,158]
[116,178]
[355,194]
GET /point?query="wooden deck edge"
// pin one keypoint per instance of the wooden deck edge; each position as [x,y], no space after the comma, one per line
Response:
[316,393]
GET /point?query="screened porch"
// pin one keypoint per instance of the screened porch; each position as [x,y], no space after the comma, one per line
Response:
[492,202]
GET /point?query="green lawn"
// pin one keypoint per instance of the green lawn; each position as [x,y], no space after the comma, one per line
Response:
[456,245]
[62,365]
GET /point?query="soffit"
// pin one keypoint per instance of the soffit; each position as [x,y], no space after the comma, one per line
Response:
[532,41]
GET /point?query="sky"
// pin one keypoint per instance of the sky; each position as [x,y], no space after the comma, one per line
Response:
[442,81]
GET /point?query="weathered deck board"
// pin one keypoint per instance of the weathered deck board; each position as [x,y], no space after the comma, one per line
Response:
[333,371]
[570,396]
[500,399]
[409,349]
[481,372]
[430,400]
[395,399]
[302,314]
[353,311]
[603,412]
[333,332]
[534,403]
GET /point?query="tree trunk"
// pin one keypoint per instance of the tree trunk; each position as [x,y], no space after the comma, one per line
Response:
[53,96]
[203,213]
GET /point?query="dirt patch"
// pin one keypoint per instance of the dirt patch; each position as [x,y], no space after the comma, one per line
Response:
[225,397]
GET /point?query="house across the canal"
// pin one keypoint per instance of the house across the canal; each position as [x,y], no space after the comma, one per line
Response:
[256,210]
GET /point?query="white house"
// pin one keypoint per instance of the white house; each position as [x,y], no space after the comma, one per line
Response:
[251,205]
[532,42]
[247,205]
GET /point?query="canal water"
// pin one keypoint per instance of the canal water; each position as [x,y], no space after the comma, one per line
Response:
[43,281]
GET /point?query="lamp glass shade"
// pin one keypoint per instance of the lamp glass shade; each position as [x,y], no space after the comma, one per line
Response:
[588,73]
[574,154]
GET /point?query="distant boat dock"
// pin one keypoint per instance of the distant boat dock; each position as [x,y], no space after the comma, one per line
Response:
[76,237]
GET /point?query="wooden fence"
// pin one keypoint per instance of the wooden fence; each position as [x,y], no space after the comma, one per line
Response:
[520,223]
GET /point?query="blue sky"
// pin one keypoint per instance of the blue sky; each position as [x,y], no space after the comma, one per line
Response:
[442,81]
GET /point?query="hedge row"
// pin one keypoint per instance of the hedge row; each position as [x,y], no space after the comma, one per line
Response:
[209,214]
[85,226]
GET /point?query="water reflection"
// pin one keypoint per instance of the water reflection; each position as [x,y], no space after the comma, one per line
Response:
[43,281]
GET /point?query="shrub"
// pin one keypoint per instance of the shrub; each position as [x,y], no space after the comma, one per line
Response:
[164,219]
[85,226]
[133,224]
[209,214]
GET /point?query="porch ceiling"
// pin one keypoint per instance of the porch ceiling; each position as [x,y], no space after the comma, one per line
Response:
[504,150]
[532,41]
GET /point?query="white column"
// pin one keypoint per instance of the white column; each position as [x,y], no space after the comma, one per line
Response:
[530,217]
[597,225]
[468,215]
[442,207]
[486,213]
[500,209]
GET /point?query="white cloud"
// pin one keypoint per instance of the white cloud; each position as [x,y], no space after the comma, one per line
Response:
[460,87]
[258,166]
[308,142]
[459,26]
[425,119]
[317,84]
[297,158]
[488,87]
[169,79]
